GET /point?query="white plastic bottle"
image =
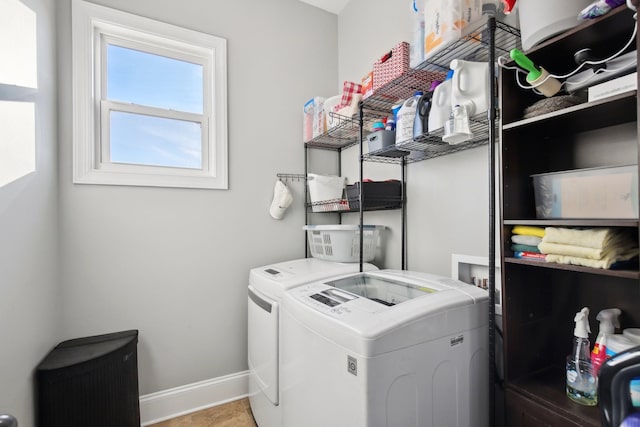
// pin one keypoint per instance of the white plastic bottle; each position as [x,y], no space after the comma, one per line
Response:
[581,382]
[470,86]
[440,104]
[406,116]
[608,322]
[416,54]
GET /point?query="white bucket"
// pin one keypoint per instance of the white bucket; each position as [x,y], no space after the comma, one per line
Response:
[542,19]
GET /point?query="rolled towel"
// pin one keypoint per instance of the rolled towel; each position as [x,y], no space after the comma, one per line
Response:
[523,239]
[528,230]
[524,248]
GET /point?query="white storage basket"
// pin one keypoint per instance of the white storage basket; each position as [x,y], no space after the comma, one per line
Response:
[326,192]
[341,243]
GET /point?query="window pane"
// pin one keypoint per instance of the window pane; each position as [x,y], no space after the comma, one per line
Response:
[155,141]
[153,80]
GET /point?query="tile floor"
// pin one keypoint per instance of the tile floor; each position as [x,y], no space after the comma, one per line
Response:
[233,414]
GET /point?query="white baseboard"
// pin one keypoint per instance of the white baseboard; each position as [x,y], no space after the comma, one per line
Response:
[167,404]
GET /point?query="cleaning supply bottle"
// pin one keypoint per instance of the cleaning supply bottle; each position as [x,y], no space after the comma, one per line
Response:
[421,120]
[406,115]
[470,86]
[608,322]
[391,124]
[440,104]
[581,382]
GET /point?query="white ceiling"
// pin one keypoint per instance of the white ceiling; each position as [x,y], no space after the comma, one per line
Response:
[333,6]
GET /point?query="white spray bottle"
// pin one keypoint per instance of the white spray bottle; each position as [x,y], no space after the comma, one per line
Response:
[581,383]
[609,320]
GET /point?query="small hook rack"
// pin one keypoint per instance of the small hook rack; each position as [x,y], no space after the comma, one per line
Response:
[292,176]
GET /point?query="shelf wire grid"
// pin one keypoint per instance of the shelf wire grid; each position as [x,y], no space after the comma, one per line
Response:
[472,46]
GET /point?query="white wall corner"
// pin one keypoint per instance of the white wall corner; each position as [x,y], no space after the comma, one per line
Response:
[167,404]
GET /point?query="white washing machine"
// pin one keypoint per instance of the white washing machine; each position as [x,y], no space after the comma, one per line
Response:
[385,348]
[267,285]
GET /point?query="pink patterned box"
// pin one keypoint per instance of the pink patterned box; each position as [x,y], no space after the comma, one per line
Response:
[393,64]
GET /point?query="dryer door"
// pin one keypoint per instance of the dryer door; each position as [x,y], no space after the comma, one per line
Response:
[263,345]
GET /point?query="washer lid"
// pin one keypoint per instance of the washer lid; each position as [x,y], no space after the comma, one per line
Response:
[272,280]
[387,291]
[394,310]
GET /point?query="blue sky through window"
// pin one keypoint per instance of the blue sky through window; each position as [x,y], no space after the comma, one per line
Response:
[155,141]
[142,78]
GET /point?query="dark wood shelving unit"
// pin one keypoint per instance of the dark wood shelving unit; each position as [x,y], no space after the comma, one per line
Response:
[540,298]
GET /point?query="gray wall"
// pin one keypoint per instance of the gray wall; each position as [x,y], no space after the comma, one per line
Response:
[29,285]
[174,263]
[447,197]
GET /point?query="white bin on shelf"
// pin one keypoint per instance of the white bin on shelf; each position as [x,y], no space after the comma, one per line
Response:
[606,192]
[341,243]
[327,190]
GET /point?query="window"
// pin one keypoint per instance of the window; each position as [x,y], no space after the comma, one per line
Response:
[149,102]
[18,90]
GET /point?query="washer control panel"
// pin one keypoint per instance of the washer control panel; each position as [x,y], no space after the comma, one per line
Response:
[332,297]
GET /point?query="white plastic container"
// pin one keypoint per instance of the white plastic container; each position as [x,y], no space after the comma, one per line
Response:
[633,334]
[546,18]
[405,118]
[444,21]
[607,192]
[313,118]
[470,86]
[341,243]
[329,113]
[440,105]
[416,53]
[324,189]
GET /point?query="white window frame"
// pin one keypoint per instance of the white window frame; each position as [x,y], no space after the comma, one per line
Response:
[96,26]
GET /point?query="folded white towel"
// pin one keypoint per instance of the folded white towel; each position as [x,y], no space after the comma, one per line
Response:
[598,238]
[570,250]
[604,263]
[523,239]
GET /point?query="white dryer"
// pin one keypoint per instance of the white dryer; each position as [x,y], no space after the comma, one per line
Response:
[385,348]
[267,285]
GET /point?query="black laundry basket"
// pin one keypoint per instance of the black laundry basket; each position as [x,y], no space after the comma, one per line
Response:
[613,388]
[90,382]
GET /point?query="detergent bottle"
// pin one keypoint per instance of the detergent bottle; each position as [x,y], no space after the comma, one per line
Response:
[470,86]
[421,120]
[608,322]
[581,382]
[406,115]
[440,104]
